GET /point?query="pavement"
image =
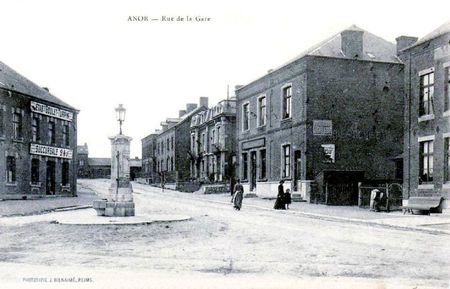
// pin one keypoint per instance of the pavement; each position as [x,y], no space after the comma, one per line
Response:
[86,196]
[434,223]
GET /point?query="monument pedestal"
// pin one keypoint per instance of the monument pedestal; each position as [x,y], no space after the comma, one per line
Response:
[120,199]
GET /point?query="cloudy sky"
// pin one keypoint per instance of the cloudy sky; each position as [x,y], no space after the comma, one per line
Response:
[91,56]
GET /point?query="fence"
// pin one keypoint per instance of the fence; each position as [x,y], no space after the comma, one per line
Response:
[393,192]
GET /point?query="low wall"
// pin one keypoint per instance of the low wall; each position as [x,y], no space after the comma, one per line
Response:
[267,190]
[215,189]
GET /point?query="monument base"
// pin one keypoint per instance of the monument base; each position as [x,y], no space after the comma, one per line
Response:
[114,209]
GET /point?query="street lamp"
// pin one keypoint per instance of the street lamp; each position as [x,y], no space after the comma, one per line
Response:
[120,115]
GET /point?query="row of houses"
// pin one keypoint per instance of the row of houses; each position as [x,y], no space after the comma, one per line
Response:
[354,108]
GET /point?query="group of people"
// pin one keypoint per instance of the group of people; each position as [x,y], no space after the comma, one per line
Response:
[282,202]
[283,198]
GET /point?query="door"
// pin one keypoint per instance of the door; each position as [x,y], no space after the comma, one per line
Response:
[297,169]
[252,170]
[50,182]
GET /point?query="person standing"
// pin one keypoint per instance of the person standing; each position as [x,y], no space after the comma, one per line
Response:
[287,198]
[279,203]
[238,195]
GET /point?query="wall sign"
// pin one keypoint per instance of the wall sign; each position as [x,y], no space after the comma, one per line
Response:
[254,143]
[51,111]
[329,151]
[322,127]
[37,149]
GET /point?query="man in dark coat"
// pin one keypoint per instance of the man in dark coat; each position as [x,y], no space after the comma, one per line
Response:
[279,203]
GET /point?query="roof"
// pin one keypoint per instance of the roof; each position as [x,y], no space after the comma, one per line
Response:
[443,29]
[374,49]
[107,162]
[12,80]
[82,149]
[99,162]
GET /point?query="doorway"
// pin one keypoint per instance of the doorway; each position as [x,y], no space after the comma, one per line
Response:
[297,169]
[50,181]
[252,170]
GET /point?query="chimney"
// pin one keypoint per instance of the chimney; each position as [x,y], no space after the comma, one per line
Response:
[190,107]
[164,126]
[203,101]
[352,42]
[405,41]
[181,112]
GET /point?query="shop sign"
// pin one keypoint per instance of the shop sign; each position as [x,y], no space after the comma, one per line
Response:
[51,111]
[37,149]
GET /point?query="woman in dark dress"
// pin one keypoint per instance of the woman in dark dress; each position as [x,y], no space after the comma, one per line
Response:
[279,203]
[238,195]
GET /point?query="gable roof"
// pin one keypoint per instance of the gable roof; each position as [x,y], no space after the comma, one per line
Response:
[374,48]
[443,29]
[12,80]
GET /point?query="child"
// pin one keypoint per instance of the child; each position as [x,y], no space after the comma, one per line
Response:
[287,198]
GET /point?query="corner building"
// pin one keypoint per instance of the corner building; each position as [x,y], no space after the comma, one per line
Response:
[337,107]
[427,114]
[38,136]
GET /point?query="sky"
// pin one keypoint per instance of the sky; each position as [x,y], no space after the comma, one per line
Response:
[91,56]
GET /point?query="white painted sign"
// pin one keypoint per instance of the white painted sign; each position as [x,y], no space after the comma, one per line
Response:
[322,127]
[51,111]
[37,149]
[329,150]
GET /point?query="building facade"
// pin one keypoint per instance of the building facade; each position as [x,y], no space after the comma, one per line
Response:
[212,143]
[170,146]
[149,172]
[427,112]
[38,136]
[337,107]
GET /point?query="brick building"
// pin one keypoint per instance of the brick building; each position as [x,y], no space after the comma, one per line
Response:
[149,172]
[96,168]
[334,114]
[38,136]
[171,146]
[427,112]
[212,143]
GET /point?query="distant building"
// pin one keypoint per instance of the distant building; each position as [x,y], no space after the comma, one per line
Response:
[95,168]
[38,136]
[333,116]
[212,143]
[427,113]
[170,160]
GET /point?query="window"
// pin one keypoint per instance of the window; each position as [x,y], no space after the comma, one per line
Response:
[193,142]
[244,166]
[205,142]
[17,125]
[447,88]
[218,135]
[2,127]
[51,133]
[65,174]
[168,164]
[426,162]
[287,100]
[286,161]
[172,139]
[168,144]
[34,171]
[65,140]
[262,111]
[11,169]
[245,117]
[447,160]
[262,159]
[35,129]
[171,163]
[81,162]
[426,93]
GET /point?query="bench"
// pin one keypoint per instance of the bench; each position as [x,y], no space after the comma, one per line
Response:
[426,204]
